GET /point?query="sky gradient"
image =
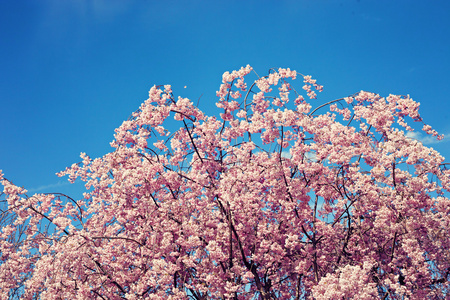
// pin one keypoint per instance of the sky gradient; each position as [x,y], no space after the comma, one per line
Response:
[72,71]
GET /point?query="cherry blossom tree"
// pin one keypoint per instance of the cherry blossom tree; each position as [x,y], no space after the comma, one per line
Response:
[273,199]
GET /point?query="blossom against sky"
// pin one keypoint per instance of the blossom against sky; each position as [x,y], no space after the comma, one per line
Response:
[72,71]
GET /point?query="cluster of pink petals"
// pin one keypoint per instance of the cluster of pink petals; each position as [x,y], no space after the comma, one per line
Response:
[272,199]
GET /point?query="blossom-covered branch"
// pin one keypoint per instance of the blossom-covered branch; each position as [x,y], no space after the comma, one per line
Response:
[271,199]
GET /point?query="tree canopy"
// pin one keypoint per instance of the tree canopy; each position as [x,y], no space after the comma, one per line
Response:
[275,198]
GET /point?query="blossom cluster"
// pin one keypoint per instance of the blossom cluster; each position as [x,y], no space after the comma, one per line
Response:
[272,199]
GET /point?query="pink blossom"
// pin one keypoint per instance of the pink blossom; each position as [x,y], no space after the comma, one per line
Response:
[270,199]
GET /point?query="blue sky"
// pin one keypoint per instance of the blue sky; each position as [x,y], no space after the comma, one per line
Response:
[71,71]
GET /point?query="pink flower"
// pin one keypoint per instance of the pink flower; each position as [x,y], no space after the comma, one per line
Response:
[266,199]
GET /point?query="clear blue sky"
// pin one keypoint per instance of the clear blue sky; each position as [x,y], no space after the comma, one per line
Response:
[72,70]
